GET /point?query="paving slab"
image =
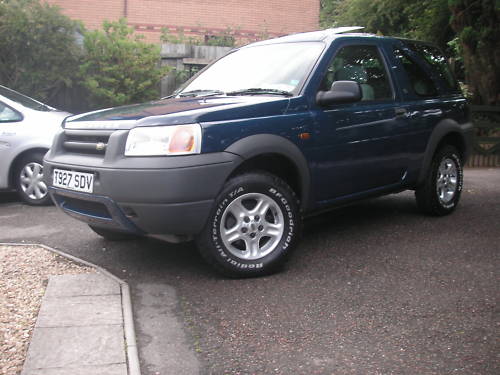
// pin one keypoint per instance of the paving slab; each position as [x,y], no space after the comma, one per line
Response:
[80,311]
[81,285]
[114,369]
[79,329]
[75,346]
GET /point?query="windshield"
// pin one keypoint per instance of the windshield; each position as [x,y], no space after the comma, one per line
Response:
[265,69]
[24,100]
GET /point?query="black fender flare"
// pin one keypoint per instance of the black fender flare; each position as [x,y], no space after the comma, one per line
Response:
[260,144]
[442,129]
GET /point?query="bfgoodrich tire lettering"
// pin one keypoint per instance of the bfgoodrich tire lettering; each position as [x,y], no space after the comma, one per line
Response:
[440,193]
[235,261]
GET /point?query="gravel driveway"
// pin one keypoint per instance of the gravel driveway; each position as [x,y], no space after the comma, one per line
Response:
[374,288]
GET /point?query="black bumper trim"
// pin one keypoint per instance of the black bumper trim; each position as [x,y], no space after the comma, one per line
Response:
[115,219]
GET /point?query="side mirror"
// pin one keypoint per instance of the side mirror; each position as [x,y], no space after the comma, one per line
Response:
[340,92]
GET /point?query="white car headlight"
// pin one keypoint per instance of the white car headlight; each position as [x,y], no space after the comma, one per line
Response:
[164,140]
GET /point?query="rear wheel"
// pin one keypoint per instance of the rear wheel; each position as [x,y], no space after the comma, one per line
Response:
[253,227]
[29,181]
[113,235]
[440,193]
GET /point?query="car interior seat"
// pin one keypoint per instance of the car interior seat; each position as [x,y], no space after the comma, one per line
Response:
[356,73]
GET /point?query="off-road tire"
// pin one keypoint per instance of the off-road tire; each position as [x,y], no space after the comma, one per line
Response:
[427,195]
[280,198]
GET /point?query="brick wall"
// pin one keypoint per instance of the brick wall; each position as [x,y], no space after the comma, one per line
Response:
[249,19]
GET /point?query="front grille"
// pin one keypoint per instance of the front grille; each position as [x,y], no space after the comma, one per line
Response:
[86,141]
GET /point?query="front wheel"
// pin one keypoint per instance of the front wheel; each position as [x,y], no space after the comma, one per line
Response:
[253,227]
[440,193]
[29,181]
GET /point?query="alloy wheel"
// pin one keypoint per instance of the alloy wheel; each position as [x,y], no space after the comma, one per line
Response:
[447,180]
[252,226]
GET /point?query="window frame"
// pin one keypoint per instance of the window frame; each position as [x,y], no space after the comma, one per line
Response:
[382,57]
[425,69]
[441,81]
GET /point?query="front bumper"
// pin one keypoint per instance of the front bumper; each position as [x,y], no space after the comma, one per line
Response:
[175,197]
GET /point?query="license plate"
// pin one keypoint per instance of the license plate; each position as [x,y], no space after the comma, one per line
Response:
[72,180]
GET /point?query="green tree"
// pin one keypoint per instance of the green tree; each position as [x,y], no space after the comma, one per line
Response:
[330,10]
[477,24]
[120,68]
[38,50]
[423,19]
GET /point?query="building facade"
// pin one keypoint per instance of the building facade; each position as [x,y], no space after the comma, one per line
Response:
[202,19]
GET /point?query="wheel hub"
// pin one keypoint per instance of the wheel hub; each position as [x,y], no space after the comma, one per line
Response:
[252,226]
[447,180]
[31,181]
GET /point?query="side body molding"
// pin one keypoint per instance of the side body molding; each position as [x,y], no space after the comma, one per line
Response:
[442,129]
[260,144]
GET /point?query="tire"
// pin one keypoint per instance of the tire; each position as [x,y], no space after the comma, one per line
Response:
[113,235]
[258,242]
[440,193]
[28,180]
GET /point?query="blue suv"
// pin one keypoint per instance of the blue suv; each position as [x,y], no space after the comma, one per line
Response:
[272,132]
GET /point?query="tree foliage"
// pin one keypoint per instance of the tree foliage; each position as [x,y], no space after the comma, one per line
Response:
[38,51]
[120,68]
[477,24]
[424,19]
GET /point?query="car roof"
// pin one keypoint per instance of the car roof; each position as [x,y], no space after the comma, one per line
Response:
[328,35]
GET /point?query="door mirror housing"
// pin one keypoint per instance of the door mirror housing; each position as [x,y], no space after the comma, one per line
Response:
[340,92]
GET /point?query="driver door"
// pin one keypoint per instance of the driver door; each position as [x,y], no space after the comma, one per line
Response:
[359,148]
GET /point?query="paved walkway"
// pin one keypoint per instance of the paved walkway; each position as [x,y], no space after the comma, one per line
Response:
[80,328]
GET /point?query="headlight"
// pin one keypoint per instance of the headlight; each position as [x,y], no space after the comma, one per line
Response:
[164,140]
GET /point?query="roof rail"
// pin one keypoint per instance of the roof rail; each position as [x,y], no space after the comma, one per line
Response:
[344,29]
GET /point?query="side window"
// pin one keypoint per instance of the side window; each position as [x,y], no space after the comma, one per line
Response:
[364,65]
[420,82]
[8,115]
[437,60]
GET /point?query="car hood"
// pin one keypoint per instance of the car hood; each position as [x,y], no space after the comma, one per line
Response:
[180,111]
[46,120]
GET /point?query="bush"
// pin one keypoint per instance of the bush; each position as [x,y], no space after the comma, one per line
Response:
[120,68]
[38,49]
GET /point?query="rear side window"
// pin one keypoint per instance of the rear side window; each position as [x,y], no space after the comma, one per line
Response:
[7,114]
[364,65]
[439,63]
[421,84]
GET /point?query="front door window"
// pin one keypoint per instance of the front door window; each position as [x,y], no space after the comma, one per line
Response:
[364,65]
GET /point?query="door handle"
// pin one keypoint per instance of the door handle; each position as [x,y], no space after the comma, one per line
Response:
[433,112]
[401,112]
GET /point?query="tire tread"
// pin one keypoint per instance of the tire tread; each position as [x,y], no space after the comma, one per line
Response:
[204,238]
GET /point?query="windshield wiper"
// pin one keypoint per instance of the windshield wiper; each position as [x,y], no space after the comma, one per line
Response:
[201,93]
[260,91]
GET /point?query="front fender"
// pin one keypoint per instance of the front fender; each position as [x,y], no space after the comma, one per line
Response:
[260,144]
[9,156]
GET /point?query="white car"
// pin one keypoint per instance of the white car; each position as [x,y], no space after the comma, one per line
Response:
[27,128]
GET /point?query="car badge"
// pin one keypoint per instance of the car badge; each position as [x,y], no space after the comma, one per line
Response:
[100,146]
